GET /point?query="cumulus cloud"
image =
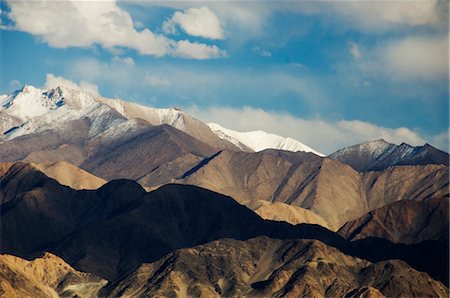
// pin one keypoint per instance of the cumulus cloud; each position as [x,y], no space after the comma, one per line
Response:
[53,81]
[156,81]
[202,22]
[199,51]
[324,136]
[73,23]
[125,60]
[262,52]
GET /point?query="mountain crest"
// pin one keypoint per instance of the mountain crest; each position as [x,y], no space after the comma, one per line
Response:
[260,140]
[378,155]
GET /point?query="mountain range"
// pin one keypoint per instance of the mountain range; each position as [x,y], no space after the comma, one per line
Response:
[139,201]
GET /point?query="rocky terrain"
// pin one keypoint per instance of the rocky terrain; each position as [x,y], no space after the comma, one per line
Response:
[262,267]
[283,212]
[403,222]
[45,276]
[120,226]
[70,175]
[102,197]
[379,155]
[332,190]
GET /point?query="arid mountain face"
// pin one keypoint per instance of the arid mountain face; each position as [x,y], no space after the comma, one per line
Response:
[74,176]
[70,175]
[264,267]
[107,143]
[379,155]
[327,187]
[403,222]
[154,156]
[46,276]
[283,212]
[173,117]
[120,226]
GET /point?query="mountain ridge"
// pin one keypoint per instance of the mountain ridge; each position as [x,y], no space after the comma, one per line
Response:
[379,155]
[120,226]
[28,105]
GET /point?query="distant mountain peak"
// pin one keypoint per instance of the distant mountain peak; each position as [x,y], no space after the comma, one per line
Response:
[379,154]
[259,140]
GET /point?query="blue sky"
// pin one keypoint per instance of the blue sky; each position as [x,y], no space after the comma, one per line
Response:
[330,74]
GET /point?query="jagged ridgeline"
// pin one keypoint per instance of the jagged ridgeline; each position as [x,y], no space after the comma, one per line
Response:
[119,199]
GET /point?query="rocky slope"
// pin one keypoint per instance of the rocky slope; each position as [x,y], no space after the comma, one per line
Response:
[70,175]
[31,110]
[155,155]
[379,155]
[264,267]
[100,139]
[173,117]
[403,222]
[46,276]
[111,231]
[332,190]
[288,213]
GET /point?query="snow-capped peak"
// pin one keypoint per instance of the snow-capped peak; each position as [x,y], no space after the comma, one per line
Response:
[30,102]
[260,140]
[172,116]
[374,148]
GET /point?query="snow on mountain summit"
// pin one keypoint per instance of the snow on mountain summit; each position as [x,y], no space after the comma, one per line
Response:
[30,102]
[379,154]
[31,110]
[172,116]
[260,140]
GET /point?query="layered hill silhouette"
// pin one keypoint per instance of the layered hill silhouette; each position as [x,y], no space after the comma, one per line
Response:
[113,139]
[227,227]
[112,231]
[264,267]
[403,222]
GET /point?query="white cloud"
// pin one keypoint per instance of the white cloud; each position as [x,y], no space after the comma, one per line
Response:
[380,16]
[200,21]
[365,16]
[262,52]
[354,50]
[324,136]
[411,58]
[441,140]
[125,60]
[199,51]
[156,81]
[53,81]
[73,23]
[416,58]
